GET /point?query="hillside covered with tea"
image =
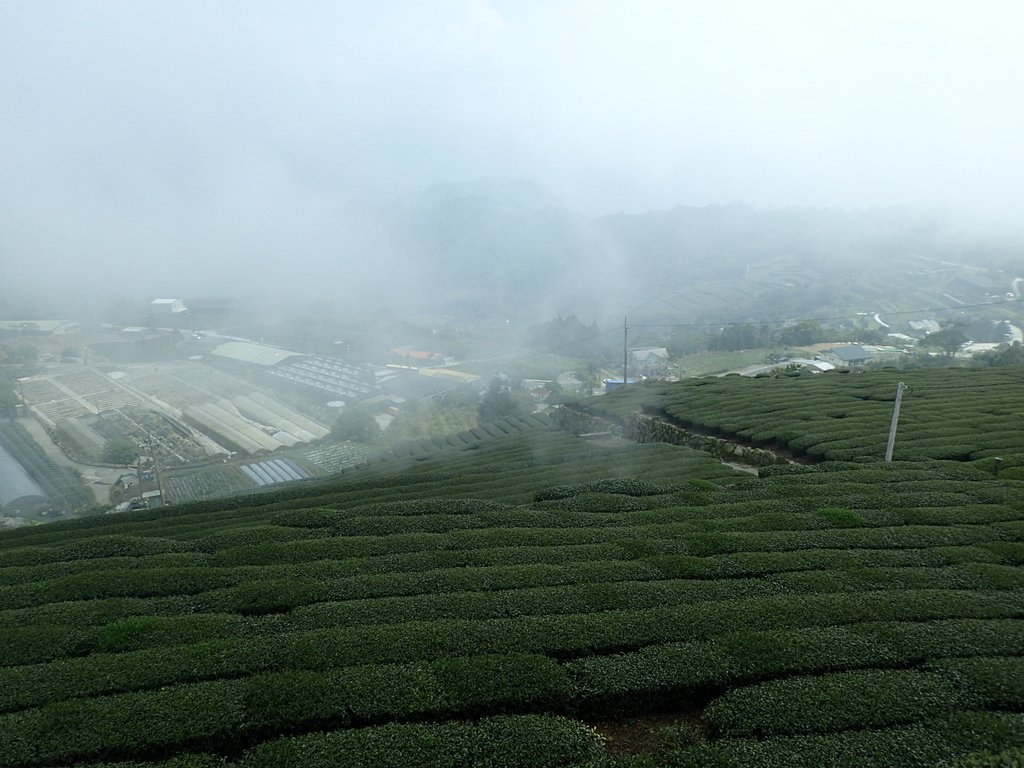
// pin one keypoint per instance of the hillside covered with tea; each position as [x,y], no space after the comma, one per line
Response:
[539,599]
[961,414]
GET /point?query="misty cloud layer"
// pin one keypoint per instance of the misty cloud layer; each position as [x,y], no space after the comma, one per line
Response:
[241,145]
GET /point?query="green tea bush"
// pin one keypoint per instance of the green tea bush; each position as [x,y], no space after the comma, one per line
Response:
[630,487]
[1007,758]
[835,702]
[528,741]
[95,547]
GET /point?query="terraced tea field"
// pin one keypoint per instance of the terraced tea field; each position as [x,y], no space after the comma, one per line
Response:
[530,599]
[959,414]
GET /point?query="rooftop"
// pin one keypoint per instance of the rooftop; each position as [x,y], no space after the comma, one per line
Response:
[250,352]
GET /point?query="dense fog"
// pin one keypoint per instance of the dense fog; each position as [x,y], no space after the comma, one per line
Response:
[526,158]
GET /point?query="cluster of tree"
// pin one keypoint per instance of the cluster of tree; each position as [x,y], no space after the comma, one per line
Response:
[8,397]
[120,450]
[452,411]
[503,398]
[19,359]
[984,330]
[753,336]
[1005,354]
[18,354]
[356,424]
[570,336]
[948,339]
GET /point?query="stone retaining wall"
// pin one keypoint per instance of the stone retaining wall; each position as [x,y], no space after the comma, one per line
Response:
[648,429]
[645,429]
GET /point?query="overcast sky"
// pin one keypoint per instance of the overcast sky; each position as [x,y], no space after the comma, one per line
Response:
[155,127]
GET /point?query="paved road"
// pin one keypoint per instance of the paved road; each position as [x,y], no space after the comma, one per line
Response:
[99,479]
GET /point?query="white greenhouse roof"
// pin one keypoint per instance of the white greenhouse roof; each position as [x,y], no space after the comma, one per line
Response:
[250,352]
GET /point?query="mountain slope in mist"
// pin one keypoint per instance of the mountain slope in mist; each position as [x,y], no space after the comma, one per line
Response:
[508,247]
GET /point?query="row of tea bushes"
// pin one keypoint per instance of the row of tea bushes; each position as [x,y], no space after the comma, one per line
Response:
[226,714]
[567,636]
[959,414]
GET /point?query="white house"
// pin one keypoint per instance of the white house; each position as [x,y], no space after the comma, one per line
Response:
[649,361]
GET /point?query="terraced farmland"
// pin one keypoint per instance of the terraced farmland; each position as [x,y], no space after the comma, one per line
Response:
[528,600]
[958,414]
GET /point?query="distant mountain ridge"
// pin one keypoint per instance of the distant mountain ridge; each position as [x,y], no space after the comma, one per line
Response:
[508,247]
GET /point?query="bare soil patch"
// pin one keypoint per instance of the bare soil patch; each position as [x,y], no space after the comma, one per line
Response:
[639,735]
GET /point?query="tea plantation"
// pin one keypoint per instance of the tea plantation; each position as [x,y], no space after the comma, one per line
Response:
[534,599]
[961,414]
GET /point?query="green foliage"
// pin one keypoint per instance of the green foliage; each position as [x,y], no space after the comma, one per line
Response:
[569,336]
[744,336]
[801,333]
[837,702]
[951,413]
[1007,758]
[679,736]
[529,741]
[356,424]
[621,487]
[223,712]
[916,746]
[120,450]
[842,614]
[435,418]
[1005,354]
[842,517]
[501,400]
[9,398]
[949,339]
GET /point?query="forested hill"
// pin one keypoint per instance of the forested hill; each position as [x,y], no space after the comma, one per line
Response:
[507,248]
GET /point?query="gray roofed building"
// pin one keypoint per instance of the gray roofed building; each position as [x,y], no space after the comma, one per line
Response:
[649,361]
[19,494]
[851,356]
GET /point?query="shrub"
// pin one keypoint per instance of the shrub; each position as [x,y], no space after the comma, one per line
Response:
[528,741]
[863,699]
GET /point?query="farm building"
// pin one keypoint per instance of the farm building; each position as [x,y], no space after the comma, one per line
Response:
[167,306]
[19,494]
[817,366]
[225,425]
[264,410]
[649,361]
[415,357]
[610,385]
[273,472]
[853,356]
[327,376]
[252,353]
[253,423]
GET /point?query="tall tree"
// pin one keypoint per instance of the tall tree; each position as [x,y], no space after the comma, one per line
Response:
[501,400]
[949,339]
[356,424]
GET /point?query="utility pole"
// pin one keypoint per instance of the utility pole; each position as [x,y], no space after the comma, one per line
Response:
[156,470]
[895,420]
[625,350]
